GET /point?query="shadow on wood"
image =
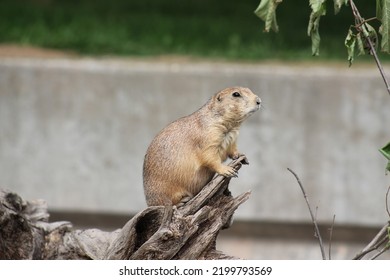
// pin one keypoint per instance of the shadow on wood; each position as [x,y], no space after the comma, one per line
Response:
[158,232]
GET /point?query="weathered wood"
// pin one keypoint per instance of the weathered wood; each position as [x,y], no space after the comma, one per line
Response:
[158,232]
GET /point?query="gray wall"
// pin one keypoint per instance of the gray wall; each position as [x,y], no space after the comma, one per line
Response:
[74,132]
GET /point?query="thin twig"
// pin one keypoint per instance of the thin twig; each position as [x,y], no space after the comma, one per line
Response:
[374,247]
[315,218]
[387,201]
[330,238]
[368,250]
[311,214]
[377,241]
[384,249]
[365,21]
[359,22]
[379,236]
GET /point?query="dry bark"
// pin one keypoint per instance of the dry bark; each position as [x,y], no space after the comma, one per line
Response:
[189,232]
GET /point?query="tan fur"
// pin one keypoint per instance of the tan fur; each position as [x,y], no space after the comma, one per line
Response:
[186,154]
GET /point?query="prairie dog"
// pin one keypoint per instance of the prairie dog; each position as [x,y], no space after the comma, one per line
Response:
[186,154]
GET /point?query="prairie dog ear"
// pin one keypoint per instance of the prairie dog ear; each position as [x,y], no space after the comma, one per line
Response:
[219,96]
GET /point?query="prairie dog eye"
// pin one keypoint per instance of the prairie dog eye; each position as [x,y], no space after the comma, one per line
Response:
[236,94]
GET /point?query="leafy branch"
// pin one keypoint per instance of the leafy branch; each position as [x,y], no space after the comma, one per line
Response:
[370,36]
[364,37]
[359,35]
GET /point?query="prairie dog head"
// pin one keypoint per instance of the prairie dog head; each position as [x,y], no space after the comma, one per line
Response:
[236,103]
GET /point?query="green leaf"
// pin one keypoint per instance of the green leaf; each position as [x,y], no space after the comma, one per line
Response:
[369,31]
[360,44]
[318,8]
[313,32]
[316,5]
[267,12]
[338,4]
[350,42]
[379,9]
[386,152]
[383,14]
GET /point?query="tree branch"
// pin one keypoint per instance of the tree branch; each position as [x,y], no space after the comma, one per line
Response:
[381,238]
[387,201]
[330,238]
[158,232]
[317,231]
[361,22]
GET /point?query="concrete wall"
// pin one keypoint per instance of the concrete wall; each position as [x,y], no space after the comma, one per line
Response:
[74,132]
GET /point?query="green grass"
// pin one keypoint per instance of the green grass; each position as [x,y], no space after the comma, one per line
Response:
[206,28]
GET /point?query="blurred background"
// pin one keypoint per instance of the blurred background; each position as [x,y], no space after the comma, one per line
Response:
[85,85]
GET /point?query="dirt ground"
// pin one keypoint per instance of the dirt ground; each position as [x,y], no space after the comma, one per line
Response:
[20,51]
[11,50]
[24,51]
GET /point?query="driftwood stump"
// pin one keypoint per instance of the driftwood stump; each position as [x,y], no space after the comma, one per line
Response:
[189,232]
